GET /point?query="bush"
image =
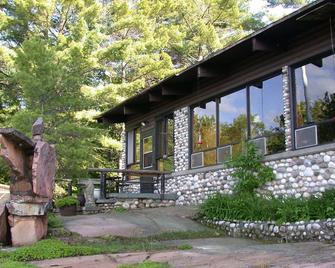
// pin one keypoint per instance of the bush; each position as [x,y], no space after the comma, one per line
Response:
[54,221]
[249,171]
[66,202]
[254,208]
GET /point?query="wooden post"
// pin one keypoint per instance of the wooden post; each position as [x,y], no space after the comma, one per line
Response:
[162,186]
[102,185]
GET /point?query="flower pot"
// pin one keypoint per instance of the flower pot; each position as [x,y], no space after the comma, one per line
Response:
[68,211]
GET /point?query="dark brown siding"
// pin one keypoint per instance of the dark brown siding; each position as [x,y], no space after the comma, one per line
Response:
[310,42]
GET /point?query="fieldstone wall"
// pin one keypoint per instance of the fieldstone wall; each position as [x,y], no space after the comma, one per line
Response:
[135,204]
[300,176]
[287,108]
[181,139]
[288,232]
[123,156]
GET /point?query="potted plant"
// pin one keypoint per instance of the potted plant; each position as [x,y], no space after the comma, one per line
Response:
[67,205]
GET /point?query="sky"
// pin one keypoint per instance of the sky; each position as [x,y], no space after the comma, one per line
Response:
[260,5]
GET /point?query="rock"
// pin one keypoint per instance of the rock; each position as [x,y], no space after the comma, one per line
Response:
[44,169]
[27,209]
[38,129]
[125,205]
[4,226]
[89,195]
[326,158]
[27,230]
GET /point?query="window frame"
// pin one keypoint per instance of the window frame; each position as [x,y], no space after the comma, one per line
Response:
[135,161]
[216,98]
[293,95]
[159,155]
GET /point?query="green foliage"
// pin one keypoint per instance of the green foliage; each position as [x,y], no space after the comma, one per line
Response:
[184,247]
[4,172]
[249,171]
[120,209]
[146,264]
[66,202]
[49,249]
[54,221]
[254,208]
[68,60]
[15,264]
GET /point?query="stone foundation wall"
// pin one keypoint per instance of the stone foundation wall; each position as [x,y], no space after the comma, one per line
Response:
[289,232]
[300,176]
[135,204]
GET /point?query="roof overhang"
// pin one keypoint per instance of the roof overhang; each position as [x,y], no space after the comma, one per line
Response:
[271,38]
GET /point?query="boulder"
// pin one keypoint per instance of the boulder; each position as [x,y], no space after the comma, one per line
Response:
[27,230]
[43,169]
[4,227]
[27,209]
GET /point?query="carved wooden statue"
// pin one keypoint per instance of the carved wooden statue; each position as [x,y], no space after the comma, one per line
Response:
[33,166]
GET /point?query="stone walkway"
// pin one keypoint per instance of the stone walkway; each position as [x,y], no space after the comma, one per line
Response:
[134,223]
[215,252]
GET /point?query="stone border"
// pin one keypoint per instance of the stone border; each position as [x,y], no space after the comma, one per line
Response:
[318,230]
[130,204]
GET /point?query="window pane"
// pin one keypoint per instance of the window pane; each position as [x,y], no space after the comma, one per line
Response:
[147,160]
[147,145]
[233,118]
[266,113]
[210,158]
[204,126]
[130,147]
[315,91]
[137,144]
[170,140]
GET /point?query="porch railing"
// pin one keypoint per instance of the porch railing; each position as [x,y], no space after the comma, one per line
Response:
[120,178]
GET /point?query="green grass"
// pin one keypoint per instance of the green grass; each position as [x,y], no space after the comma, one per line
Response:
[146,264]
[186,235]
[184,247]
[14,264]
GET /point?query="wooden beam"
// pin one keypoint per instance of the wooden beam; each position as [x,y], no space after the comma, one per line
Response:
[155,97]
[175,91]
[205,72]
[261,45]
[130,110]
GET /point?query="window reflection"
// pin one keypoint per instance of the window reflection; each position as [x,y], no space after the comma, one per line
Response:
[315,96]
[204,126]
[266,113]
[233,118]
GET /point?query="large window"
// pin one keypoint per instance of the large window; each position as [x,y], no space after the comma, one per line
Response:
[266,113]
[220,126]
[315,97]
[204,131]
[133,149]
[233,120]
[165,143]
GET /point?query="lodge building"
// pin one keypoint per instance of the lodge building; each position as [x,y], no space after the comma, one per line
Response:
[275,88]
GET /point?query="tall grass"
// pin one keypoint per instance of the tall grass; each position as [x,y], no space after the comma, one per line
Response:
[254,208]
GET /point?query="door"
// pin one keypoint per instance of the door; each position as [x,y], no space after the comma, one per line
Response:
[147,160]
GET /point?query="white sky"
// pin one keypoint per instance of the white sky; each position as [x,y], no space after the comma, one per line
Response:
[261,5]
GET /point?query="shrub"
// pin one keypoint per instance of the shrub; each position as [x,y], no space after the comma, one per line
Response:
[54,221]
[66,202]
[254,208]
[249,171]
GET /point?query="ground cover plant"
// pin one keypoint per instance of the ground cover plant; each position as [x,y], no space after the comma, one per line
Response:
[250,173]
